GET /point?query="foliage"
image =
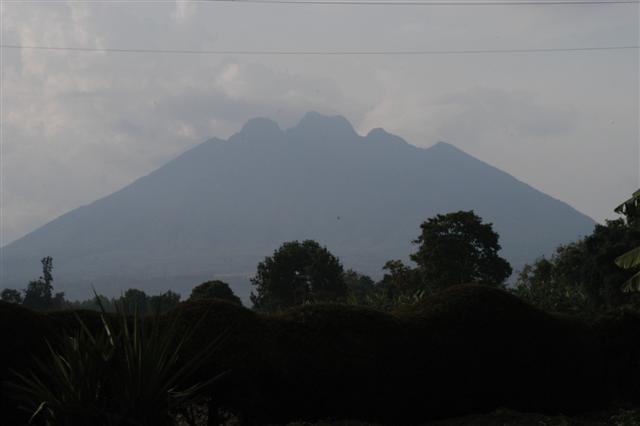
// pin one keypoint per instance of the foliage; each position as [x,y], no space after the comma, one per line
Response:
[11,296]
[539,285]
[297,273]
[135,301]
[582,275]
[39,293]
[214,290]
[126,373]
[457,248]
[626,418]
[358,285]
[461,350]
[631,259]
[400,280]
[379,298]
[163,302]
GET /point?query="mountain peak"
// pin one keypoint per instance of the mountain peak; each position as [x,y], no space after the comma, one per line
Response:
[336,126]
[381,136]
[220,207]
[260,129]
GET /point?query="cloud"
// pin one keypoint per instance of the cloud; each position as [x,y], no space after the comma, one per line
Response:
[484,115]
[77,126]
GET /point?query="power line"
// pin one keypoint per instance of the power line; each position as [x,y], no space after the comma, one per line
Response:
[320,52]
[433,3]
[361,3]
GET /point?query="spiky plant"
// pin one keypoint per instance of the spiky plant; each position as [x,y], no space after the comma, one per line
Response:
[129,372]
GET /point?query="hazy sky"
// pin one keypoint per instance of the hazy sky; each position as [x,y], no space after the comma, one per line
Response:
[78,125]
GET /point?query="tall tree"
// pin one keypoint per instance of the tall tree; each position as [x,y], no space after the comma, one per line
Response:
[297,273]
[39,293]
[457,248]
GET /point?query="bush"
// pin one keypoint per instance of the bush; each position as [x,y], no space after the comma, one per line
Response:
[23,335]
[464,350]
[128,372]
[214,290]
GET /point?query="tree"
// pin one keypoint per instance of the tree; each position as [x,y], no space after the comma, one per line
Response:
[163,302]
[399,280]
[298,273]
[11,296]
[457,248]
[544,285]
[134,301]
[38,294]
[359,286]
[214,290]
[582,275]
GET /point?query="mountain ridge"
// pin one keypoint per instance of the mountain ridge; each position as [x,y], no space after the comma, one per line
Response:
[219,208]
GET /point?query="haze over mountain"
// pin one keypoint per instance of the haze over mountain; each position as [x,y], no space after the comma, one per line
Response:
[219,208]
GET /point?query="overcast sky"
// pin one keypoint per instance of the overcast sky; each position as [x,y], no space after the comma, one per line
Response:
[78,125]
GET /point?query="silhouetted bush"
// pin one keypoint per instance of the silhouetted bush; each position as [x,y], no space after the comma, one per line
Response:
[467,349]
[23,335]
[619,334]
[242,352]
[215,289]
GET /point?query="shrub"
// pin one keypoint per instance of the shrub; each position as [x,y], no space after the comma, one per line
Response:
[22,337]
[127,373]
[214,290]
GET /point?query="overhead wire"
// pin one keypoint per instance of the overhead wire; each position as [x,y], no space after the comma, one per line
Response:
[357,2]
[319,52]
[431,3]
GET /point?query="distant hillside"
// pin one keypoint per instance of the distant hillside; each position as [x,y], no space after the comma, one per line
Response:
[222,206]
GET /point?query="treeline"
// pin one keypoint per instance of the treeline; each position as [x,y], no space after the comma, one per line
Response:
[454,248]
[596,273]
[39,296]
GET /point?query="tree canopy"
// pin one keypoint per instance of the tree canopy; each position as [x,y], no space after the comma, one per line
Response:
[457,248]
[297,273]
[39,293]
[214,289]
[582,275]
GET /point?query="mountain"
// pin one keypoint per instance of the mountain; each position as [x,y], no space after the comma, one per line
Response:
[221,207]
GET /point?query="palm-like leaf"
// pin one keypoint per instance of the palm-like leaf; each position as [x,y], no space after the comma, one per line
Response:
[130,372]
[630,259]
[632,284]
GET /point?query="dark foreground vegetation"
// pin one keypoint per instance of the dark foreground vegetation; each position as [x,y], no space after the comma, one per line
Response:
[324,344]
[467,349]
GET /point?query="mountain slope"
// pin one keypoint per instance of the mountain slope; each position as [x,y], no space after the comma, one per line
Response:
[222,206]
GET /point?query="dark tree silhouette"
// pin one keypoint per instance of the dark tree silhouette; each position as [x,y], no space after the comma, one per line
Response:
[457,248]
[134,301]
[11,295]
[214,289]
[163,302]
[39,293]
[583,274]
[298,273]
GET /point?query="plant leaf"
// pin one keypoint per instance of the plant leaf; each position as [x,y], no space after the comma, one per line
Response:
[632,284]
